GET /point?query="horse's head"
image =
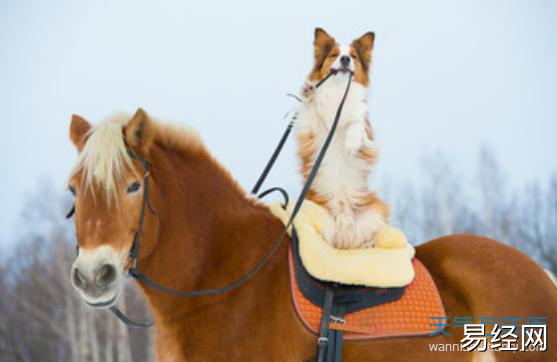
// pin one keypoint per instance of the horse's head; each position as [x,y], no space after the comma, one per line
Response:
[108,186]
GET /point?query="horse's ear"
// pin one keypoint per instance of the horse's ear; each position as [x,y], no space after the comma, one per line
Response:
[79,128]
[139,132]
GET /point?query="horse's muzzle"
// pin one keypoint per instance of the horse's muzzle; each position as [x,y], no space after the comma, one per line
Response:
[97,275]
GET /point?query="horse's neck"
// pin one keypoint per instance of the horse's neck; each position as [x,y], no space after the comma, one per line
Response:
[210,234]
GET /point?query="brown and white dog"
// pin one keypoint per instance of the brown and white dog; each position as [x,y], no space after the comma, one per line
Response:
[341,184]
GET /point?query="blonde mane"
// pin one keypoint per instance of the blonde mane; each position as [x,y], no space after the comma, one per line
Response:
[105,159]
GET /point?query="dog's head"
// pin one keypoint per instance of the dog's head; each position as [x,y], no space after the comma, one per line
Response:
[330,55]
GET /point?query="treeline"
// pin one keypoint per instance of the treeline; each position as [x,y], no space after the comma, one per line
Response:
[449,199]
[42,318]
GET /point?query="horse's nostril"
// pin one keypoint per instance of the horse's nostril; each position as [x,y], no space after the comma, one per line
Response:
[106,275]
[78,279]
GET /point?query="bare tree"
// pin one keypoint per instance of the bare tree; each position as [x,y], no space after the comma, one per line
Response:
[41,317]
[444,200]
[122,337]
[109,343]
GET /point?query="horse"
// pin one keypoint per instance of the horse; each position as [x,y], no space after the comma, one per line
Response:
[204,232]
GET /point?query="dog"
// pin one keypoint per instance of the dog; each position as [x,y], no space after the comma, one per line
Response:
[341,184]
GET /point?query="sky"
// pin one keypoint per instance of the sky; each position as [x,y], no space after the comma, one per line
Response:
[446,75]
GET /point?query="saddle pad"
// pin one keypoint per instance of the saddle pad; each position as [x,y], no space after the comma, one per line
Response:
[383,266]
[407,316]
[352,297]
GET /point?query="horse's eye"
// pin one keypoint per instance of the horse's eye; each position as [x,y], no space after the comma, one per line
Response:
[133,187]
[72,190]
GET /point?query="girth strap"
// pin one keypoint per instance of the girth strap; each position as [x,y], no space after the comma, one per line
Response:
[338,312]
[329,343]
[323,340]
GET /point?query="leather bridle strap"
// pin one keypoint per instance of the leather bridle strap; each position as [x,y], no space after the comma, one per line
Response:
[273,158]
[281,143]
[273,189]
[121,316]
[150,282]
[134,251]
[331,73]
[140,276]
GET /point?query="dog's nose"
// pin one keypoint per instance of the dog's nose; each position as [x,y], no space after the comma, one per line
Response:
[344,60]
[98,282]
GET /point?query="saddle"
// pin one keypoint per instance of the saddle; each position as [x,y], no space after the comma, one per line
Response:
[356,294]
[337,312]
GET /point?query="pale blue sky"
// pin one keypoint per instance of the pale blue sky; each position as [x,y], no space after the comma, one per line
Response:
[446,75]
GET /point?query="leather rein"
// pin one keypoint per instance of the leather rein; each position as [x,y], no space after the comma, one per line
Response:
[134,250]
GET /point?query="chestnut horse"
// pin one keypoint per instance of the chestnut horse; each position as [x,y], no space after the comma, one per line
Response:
[207,233]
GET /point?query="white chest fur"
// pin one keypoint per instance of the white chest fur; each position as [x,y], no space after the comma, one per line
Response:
[343,174]
[342,181]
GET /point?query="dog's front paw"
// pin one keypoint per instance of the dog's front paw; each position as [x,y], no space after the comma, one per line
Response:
[345,236]
[354,139]
[328,232]
[308,90]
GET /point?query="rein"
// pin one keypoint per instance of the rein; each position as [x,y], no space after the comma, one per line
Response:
[134,251]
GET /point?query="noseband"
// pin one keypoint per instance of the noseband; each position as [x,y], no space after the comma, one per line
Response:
[134,250]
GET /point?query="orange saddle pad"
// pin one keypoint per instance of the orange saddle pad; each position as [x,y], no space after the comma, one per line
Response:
[408,316]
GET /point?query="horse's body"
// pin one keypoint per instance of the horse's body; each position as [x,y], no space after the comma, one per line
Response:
[208,233]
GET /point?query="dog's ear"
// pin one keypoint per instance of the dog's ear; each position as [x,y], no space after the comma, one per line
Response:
[364,46]
[79,128]
[139,133]
[321,35]
[322,45]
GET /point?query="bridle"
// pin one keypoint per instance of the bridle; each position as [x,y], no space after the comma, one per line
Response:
[134,250]
[145,203]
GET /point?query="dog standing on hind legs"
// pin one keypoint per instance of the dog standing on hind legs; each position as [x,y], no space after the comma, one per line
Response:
[341,185]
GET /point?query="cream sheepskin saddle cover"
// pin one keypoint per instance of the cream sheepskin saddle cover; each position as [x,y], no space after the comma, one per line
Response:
[388,264]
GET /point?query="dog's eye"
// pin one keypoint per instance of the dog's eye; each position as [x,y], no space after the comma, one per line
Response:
[353,56]
[72,190]
[333,55]
[133,187]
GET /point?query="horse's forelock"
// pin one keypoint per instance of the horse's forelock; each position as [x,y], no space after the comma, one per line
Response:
[104,158]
